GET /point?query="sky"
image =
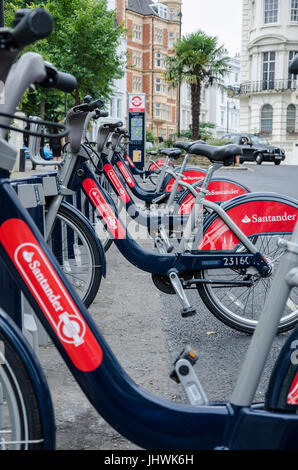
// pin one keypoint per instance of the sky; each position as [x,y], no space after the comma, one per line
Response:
[221,18]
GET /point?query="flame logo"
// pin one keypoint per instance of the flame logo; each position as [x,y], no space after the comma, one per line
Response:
[246,220]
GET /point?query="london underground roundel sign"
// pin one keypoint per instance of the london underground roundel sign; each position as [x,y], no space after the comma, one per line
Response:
[137,103]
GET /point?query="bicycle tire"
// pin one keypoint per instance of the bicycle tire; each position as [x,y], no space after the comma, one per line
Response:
[228,303]
[20,417]
[85,238]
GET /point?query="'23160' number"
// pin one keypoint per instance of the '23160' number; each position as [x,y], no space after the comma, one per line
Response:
[237,261]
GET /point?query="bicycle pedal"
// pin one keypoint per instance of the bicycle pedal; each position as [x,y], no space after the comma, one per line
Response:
[185,375]
[188,312]
[187,353]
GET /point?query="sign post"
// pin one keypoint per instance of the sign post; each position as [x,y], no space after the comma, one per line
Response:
[137,128]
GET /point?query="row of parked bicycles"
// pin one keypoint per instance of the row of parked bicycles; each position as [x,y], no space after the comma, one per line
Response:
[236,248]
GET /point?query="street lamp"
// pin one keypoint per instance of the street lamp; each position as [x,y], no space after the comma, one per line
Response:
[2,13]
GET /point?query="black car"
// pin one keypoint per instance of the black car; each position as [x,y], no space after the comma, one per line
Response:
[256,148]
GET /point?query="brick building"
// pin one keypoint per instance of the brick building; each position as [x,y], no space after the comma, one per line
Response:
[153,28]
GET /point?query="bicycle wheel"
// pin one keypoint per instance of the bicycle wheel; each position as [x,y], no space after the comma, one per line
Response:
[20,421]
[76,250]
[241,306]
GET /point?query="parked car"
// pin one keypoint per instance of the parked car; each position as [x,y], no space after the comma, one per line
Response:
[256,148]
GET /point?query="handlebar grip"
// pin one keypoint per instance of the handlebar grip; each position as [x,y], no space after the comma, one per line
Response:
[96,105]
[65,82]
[30,26]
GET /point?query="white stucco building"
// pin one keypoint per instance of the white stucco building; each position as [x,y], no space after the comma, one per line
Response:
[216,106]
[268,100]
[117,106]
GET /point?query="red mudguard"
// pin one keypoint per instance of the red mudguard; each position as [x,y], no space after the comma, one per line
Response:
[254,214]
[189,176]
[221,191]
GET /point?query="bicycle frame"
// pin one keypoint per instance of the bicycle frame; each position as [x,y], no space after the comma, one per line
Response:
[149,421]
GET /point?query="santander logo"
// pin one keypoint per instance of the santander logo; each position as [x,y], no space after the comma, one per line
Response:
[117,183]
[255,218]
[51,296]
[70,327]
[122,167]
[246,220]
[97,198]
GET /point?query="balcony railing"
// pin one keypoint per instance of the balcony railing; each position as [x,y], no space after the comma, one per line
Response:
[268,85]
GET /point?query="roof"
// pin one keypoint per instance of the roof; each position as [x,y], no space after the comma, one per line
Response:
[141,6]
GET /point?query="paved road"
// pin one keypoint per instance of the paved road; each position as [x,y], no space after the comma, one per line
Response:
[266,177]
[146,331]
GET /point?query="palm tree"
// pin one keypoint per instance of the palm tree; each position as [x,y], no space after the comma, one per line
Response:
[197,60]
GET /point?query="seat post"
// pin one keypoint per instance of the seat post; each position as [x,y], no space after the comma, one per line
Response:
[210,172]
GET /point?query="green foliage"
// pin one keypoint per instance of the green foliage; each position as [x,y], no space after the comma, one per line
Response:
[215,141]
[84,43]
[204,133]
[150,136]
[198,61]
[197,58]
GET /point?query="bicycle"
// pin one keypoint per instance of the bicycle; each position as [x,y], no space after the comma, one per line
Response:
[150,422]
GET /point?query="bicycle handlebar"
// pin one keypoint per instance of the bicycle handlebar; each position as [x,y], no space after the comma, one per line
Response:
[88,107]
[59,80]
[30,26]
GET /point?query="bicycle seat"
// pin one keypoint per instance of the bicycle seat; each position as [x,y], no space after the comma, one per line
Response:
[186,145]
[224,153]
[112,125]
[152,152]
[172,153]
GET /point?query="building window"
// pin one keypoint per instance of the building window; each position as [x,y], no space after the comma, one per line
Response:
[137,59]
[163,111]
[294,10]
[171,14]
[160,60]
[137,83]
[222,118]
[292,78]
[253,13]
[158,35]
[223,95]
[157,112]
[291,118]
[271,11]
[119,107]
[267,119]
[188,93]
[171,39]
[160,86]
[160,9]
[137,32]
[268,70]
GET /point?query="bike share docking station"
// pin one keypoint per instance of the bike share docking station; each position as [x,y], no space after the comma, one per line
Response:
[137,128]
[32,192]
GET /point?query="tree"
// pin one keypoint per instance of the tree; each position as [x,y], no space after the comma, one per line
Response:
[84,43]
[197,60]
